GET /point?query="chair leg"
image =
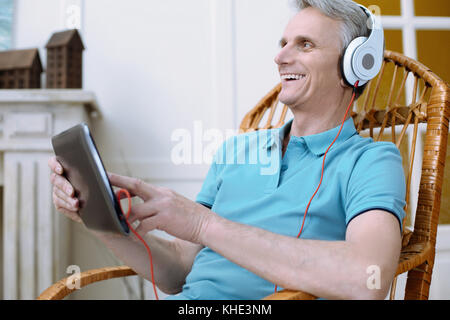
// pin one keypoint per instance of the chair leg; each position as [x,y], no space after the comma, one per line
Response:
[418,283]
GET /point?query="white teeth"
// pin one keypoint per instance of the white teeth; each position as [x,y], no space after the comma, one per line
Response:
[292,77]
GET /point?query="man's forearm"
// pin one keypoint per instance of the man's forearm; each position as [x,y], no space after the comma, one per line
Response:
[168,270]
[327,269]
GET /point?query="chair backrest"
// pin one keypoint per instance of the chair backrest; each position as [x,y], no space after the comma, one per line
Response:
[403,95]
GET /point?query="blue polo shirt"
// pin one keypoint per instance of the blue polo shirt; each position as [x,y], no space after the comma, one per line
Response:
[250,182]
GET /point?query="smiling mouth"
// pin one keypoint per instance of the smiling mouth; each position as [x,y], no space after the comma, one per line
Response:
[292,77]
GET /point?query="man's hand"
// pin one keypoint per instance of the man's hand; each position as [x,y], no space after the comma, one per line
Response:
[64,198]
[164,209]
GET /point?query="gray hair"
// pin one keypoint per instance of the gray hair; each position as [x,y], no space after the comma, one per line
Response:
[354,20]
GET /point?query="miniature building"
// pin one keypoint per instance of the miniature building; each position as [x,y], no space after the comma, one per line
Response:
[64,60]
[20,69]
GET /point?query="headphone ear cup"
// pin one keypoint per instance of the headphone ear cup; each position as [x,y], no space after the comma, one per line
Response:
[348,64]
[341,67]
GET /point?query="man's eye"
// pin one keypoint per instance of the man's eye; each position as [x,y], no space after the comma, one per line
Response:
[305,45]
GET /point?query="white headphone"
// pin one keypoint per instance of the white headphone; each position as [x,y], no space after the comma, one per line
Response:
[364,56]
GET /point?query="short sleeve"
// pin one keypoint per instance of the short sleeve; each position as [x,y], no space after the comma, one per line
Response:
[207,194]
[377,182]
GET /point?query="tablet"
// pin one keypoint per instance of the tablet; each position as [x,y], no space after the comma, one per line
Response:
[98,206]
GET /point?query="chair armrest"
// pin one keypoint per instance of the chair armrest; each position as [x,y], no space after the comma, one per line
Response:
[59,290]
[414,255]
[290,295]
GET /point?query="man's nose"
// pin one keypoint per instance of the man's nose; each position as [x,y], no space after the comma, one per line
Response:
[284,56]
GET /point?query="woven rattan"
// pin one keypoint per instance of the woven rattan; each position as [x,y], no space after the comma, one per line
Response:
[381,112]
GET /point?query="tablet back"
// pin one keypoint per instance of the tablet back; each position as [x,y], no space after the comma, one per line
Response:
[99,209]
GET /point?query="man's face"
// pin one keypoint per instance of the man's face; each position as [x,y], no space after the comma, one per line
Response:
[308,59]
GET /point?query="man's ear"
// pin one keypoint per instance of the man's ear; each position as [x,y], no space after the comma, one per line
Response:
[343,84]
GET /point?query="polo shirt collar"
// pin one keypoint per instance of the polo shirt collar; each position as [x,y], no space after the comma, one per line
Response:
[316,143]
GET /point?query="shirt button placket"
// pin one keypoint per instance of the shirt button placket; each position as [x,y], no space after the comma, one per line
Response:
[273,179]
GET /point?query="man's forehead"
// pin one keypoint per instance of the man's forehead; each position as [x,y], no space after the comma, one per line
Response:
[311,23]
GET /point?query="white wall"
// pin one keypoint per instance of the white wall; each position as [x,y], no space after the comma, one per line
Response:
[259,26]
[156,66]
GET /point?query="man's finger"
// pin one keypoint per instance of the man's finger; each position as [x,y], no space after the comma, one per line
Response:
[146,226]
[62,183]
[62,207]
[133,185]
[71,201]
[141,211]
[55,165]
[60,202]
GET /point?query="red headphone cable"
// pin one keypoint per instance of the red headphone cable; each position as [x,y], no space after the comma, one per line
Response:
[323,162]
[137,235]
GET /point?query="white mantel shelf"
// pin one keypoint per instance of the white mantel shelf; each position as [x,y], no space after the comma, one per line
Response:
[28,118]
[52,96]
[35,238]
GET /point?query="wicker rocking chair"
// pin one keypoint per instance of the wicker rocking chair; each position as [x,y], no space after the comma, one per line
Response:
[429,104]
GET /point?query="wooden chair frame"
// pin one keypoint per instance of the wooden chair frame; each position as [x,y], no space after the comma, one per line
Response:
[430,104]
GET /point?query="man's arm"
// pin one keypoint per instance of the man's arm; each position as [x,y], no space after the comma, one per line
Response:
[172,259]
[327,269]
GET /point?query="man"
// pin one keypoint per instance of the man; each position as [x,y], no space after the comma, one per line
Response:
[238,240]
